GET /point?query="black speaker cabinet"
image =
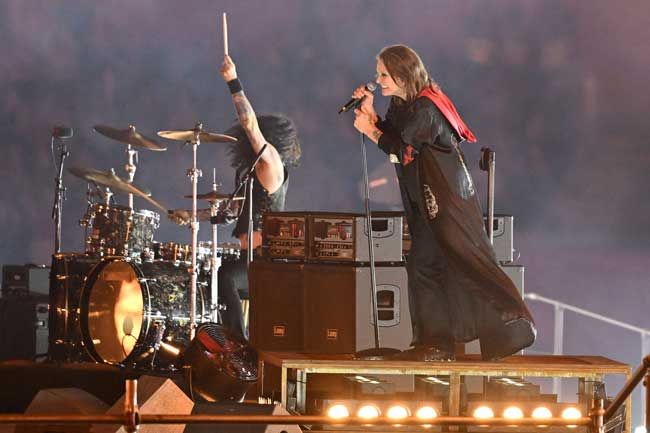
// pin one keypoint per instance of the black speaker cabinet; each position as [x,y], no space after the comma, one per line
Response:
[321,308]
[23,327]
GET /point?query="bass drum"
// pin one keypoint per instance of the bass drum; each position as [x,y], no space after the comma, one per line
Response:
[137,315]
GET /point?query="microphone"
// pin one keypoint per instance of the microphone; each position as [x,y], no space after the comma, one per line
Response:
[62,132]
[355,102]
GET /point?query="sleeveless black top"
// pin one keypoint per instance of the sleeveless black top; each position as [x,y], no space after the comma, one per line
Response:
[262,202]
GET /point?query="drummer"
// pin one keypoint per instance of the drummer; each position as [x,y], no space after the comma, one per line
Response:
[269,189]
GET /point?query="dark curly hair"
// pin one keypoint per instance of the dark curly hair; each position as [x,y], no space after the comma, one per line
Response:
[278,129]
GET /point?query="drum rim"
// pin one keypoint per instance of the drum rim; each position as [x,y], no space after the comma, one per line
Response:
[91,279]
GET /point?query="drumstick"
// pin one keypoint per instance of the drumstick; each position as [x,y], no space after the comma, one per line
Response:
[224,24]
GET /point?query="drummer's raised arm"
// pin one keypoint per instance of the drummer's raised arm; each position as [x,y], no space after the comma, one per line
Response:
[270,170]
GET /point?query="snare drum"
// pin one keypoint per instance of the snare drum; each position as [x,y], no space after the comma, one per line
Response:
[137,315]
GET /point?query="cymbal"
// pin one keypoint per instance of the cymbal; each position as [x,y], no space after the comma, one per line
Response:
[114,182]
[129,136]
[214,196]
[196,133]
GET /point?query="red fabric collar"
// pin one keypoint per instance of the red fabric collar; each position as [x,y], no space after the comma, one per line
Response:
[447,108]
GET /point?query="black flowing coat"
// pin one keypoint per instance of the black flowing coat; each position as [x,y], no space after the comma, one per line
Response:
[484,302]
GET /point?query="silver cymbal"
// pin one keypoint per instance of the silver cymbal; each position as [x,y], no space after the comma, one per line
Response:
[196,134]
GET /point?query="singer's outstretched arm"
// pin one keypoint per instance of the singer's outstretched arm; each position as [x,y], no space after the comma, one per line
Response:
[270,170]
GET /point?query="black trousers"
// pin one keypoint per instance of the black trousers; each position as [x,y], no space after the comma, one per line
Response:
[233,285]
[427,272]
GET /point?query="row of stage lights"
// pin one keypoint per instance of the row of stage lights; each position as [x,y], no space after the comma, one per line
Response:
[424,412]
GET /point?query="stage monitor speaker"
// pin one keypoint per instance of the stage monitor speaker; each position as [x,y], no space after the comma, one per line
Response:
[156,395]
[338,308]
[62,400]
[223,408]
[321,308]
[276,306]
[20,280]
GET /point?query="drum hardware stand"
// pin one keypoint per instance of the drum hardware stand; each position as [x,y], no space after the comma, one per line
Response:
[216,260]
[487,163]
[59,192]
[377,352]
[194,173]
[130,166]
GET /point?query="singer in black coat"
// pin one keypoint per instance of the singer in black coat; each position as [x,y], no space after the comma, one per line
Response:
[457,292]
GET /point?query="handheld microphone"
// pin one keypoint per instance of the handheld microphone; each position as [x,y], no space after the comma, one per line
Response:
[62,132]
[355,102]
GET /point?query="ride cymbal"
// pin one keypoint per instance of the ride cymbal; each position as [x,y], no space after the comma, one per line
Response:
[129,136]
[196,134]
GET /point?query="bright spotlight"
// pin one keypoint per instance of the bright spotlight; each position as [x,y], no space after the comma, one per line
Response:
[513,412]
[542,412]
[483,412]
[426,412]
[640,429]
[338,411]
[571,413]
[368,411]
[397,412]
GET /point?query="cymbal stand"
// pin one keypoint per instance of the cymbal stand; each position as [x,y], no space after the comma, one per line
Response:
[194,173]
[216,260]
[130,165]
[59,193]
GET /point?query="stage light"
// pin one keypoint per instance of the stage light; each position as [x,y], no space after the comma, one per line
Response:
[571,413]
[513,412]
[426,412]
[483,412]
[368,411]
[397,412]
[338,411]
[542,412]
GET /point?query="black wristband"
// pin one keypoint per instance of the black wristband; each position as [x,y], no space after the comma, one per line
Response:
[235,86]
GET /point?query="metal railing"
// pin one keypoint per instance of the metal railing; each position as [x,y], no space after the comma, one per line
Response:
[131,419]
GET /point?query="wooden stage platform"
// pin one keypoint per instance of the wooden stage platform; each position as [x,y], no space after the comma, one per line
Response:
[586,369]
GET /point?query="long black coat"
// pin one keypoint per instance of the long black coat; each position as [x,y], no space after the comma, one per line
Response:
[484,302]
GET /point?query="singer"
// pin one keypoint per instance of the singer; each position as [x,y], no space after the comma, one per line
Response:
[457,292]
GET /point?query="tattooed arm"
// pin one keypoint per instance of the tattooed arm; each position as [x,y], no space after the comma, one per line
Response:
[270,170]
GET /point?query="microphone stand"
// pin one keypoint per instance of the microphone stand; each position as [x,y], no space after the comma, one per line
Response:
[377,352]
[59,196]
[248,178]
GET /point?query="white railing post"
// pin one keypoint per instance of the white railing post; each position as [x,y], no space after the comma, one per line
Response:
[558,343]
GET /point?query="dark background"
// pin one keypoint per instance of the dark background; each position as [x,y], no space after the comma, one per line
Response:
[557,88]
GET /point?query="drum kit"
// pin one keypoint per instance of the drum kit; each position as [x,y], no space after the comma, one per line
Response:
[136,302]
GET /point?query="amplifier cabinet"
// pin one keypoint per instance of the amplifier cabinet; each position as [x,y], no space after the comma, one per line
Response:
[23,327]
[331,237]
[327,308]
[344,237]
[284,235]
[502,237]
[18,280]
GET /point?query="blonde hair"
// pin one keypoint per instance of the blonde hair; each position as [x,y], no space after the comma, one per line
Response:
[406,69]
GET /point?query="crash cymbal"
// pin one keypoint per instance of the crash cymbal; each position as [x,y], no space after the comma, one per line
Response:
[129,136]
[108,179]
[115,183]
[197,133]
[214,196]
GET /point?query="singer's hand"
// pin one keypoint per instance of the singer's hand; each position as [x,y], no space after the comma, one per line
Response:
[228,70]
[365,124]
[367,105]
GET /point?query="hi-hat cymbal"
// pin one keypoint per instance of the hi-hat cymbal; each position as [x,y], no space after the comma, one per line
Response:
[192,135]
[129,136]
[214,196]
